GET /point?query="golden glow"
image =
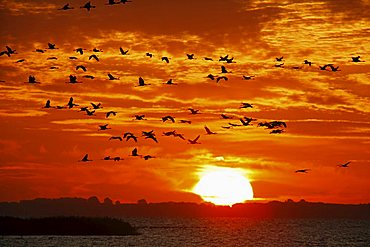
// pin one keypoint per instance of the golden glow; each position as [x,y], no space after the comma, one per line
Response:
[224,186]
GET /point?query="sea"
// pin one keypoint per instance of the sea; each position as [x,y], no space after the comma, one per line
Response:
[218,231]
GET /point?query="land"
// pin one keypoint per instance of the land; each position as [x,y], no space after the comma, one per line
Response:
[92,207]
[65,226]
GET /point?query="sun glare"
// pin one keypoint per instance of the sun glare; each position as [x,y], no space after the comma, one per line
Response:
[224,186]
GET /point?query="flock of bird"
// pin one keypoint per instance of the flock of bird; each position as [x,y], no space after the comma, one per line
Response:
[274,126]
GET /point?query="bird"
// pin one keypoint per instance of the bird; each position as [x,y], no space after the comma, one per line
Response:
[334,69]
[280,65]
[224,116]
[66,7]
[181,136]
[87,6]
[248,77]
[219,78]
[229,60]
[47,104]
[32,79]
[104,127]
[10,50]
[81,67]
[190,56]
[107,158]
[20,60]
[246,121]
[52,58]
[111,2]
[80,50]
[302,171]
[149,135]
[208,59]
[130,136]
[278,124]
[73,79]
[97,50]
[84,108]
[170,82]
[210,76]
[139,117]
[5,53]
[115,138]
[110,113]
[134,152]
[246,105]
[307,62]
[90,113]
[166,59]
[125,1]
[234,125]
[223,58]
[96,106]
[195,141]
[323,67]
[276,131]
[73,58]
[279,59]
[54,67]
[117,158]
[170,133]
[185,121]
[149,54]
[85,158]
[224,70]
[147,157]
[193,111]
[208,131]
[356,59]
[111,77]
[172,119]
[40,50]
[123,52]
[345,165]
[70,103]
[51,46]
[142,82]
[89,77]
[94,56]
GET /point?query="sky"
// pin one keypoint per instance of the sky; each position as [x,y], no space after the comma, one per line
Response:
[326,112]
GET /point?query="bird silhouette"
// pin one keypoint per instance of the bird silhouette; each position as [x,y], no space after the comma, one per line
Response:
[208,59]
[190,56]
[224,70]
[40,50]
[80,50]
[302,171]
[135,153]
[32,79]
[96,106]
[104,127]
[334,69]
[125,1]
[246,121]
[81,67]
[117,158]
[166,59]
[115,138]
[54,67]
[193,111]
[142,82]
[47,104]
[210,76]
[230,60]
[93,56]
[323,67]
[147,157]
[307,62]
[131,136]
[219,78]
[85,158]
[170,82]
[246,105]
[87,6]
[149,54]
[195,141]
[185,121]
[149,135]
[52,58]
[224,116]
[111,2]
[73,58]
[10,50]
[123,52]
[107,158]
[222,59]
[181,136]
[248,77]
[111,77]
[208,131]
[356,59]
[279,59]
[5,53]
[51,46]
[66,7]
[73,79]
[172,119]
[280,65]
[70,103]
[97,50]
[89,77]
[169,133]
[139,117]
[277,131]
[90,113]
[345,165]
[108,114]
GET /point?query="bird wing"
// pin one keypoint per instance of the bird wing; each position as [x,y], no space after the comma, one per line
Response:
[196,139]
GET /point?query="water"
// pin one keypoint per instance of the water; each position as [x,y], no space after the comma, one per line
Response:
[218,232]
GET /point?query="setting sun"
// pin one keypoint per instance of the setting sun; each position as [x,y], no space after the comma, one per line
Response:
[224,186]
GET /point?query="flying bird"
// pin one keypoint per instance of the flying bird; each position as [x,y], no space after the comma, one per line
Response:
[334,69]
[208,131]
[166,59]
[73,79]
[170,82]
[172,119]
[190,56]
[248,77]
[277,131]
[80,50]
[125,1]
[90,113]
[93,56]
[123,52]
[134,152]
[51,46]
[147,157]
[130,136]
[193,111]
[85,158]
[73,58]
[210,76]
[345,165]
[110,113]
[97,50]
[246,105]
[104,127]
[47,104]
[185,121]
[81,67]
[10,50]
[96,106]
[280,65]
[307,62]
[66,7]
[302,171]
[149,54]
[32,79]
[111,2]
[142,82]
[87,6]
[70,103]
[224,70]
[195,141]
[224,116]
[356,59]
[208,59]
[111,77]
[115,138]
[223,58]
[89,77]
[279,59]
[149,135]
[139,117]
[20,60]
[219,78]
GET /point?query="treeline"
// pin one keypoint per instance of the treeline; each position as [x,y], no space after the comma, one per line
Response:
[92,207]
[65,226]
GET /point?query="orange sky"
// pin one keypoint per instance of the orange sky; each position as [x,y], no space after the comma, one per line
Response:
[327,113]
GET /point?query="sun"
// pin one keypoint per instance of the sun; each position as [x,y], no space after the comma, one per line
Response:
[224,186]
